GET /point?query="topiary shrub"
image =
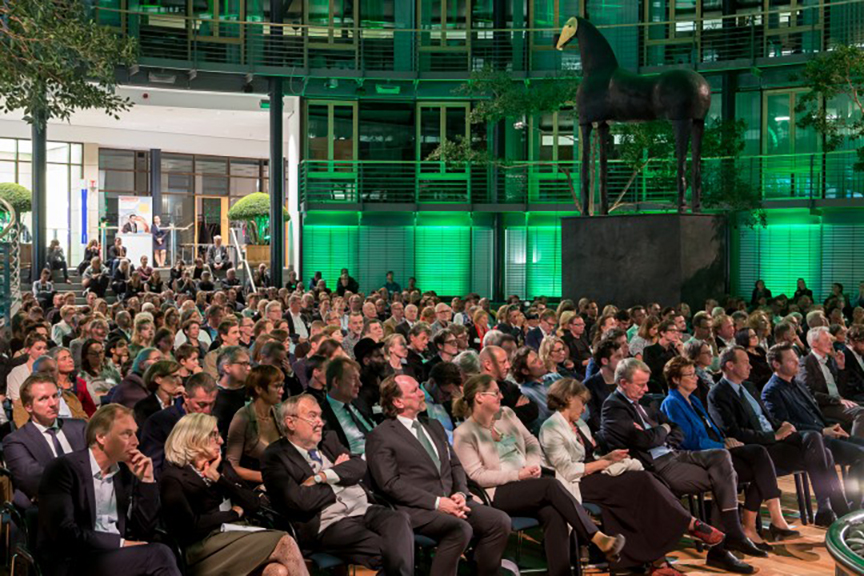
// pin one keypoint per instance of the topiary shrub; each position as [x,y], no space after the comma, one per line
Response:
[254,209]
[18,196]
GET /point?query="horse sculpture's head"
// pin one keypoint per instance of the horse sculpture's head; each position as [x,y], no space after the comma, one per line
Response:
[568,33]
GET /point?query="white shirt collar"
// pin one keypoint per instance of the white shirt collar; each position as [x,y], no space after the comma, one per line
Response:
[96,471]
[407,422]
[42,429]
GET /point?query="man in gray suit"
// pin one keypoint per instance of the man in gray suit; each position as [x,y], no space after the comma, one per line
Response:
[45,437]
[413,465]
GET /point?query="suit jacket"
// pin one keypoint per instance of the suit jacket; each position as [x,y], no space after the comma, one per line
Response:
[728,411]
[416,363]
[617,427]
[534,338]
[130,391]
[27,453]
[290,319]
[191,507]
[146,408]
[331,423]
[284,470]
[599,390]
[792,402]
[689,417]
[403,328]
[811,377]
[478,452]
[656,357]
[854,374]
[67,538]
[564,452]
[402,469]
[155,431]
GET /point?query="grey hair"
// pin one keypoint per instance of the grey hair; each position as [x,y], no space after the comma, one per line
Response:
[814,333]
[628,367]
[290,407]
[229,355]
[54,353]
[693,348]
[493,338]
[468,362]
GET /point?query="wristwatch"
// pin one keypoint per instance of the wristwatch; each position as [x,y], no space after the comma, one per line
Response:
[320,477]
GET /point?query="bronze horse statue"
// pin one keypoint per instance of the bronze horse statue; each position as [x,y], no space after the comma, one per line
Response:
[611,93]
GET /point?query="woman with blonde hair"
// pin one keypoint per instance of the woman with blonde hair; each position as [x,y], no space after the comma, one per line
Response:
[633,502]
[647,335]
[478,329]
[498,453]
[554,354]
[396,351]
[194,484]
[143,332]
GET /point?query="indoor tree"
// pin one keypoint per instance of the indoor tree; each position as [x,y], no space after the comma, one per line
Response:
[55,59]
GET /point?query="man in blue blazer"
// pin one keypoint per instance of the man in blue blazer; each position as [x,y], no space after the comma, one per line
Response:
[736,407]
[45,437]
[546,327]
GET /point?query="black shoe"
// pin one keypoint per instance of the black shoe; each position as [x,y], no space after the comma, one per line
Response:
[781,533]
[724,560]
[824,518]
[745,546]
[764,546]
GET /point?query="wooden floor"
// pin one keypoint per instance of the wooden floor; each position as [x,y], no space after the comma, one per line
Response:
[805,556]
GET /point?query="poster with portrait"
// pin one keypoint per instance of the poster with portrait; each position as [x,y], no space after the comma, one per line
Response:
[134,218]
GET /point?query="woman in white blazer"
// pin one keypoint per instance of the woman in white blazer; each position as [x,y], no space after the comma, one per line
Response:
[634,502]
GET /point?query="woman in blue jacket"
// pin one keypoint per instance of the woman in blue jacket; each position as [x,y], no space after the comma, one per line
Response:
[751,461]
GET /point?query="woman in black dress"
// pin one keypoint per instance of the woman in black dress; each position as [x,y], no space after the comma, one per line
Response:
[194,484]
[159,242]
[634,502]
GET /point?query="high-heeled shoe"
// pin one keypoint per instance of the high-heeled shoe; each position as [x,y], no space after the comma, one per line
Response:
[776,533]
[613,554]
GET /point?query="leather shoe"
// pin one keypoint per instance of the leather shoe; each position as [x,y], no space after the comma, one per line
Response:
[613,555]
[763,546]
[745,546]
[776,533]
[824,518]
[726,561]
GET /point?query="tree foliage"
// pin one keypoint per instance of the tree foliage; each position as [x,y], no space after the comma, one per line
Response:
[839,72]
[54,59]
[254,209]
[16,195]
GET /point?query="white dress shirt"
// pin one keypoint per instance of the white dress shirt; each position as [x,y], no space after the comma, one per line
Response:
[61,437]
[106,513]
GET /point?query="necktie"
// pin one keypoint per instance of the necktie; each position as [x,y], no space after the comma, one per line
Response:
[361,426]
[426,443]
[58,448]
[316,458]
[754,419]
[644,415]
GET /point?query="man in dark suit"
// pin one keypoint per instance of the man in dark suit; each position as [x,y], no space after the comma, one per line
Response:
[735,406]
[546,327]
[404,327]
[608,355]
[824,373]
[653,439]
[787,399]
[343,411]
[45,437]
[199,398]
[855,362]
[317,484]
[98,507]
[418,343]
[657,355]
[413,464]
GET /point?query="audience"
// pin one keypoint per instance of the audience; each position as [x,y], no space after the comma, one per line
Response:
[298,381]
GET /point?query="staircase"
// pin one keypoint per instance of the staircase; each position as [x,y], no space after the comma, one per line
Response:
[10,264]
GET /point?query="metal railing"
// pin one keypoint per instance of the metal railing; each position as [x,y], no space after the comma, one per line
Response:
[10,263]
[228,44]
[775,177]
[241,259]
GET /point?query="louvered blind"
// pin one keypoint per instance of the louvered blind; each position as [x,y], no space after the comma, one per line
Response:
[383,248]
[328,249]
[779,255]
[482,259]
[443,259]
[515,269]
[544,261]
[842,257]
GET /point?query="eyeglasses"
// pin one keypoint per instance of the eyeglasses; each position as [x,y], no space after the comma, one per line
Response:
[450,341]
[311,421]
[496,393]
[688,374]
[214,435]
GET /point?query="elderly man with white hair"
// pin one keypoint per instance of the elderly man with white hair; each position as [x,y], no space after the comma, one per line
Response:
[443,315]
[823,372]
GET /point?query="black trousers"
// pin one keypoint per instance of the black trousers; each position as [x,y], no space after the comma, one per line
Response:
[807,451]
[488,527]
[60,265]
[99,285]
[547,500]
[381,539]
[850,452]
[753,465]
[145,560]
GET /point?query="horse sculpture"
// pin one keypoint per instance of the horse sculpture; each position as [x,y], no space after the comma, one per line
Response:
[611,93]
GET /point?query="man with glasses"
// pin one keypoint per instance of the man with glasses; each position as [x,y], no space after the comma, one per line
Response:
[448,347]
[234,366]
[546,327]
[657,355]
[313,479]
[46,436]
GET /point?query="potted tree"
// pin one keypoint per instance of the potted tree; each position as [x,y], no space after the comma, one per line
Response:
[254,211]
[21,200]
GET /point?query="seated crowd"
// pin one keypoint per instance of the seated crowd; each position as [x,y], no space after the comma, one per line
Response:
[249,430]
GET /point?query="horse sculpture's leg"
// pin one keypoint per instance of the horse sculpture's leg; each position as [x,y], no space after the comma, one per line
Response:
[603,133]
[585,168]
[696,185]
[682,141]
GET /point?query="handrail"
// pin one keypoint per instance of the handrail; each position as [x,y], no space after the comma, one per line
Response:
[241,256]
[10,233]
[429,28]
